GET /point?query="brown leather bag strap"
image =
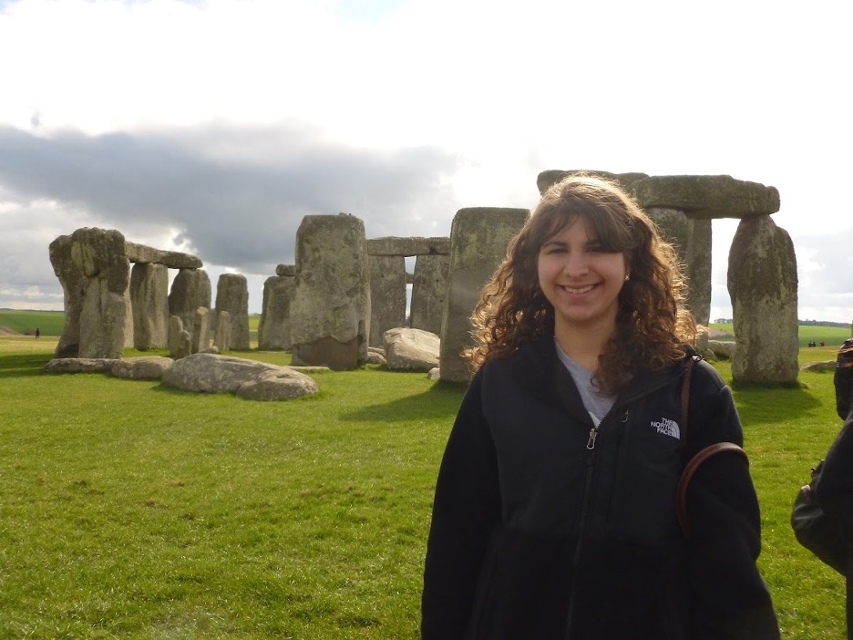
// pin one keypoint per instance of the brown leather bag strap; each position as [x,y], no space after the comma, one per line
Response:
[687,474]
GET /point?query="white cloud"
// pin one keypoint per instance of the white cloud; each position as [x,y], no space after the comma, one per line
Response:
[233,95]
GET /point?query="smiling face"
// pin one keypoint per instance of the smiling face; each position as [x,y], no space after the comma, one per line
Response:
[581,280]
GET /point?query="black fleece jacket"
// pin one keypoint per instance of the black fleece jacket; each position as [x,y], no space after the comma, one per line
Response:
[544,527]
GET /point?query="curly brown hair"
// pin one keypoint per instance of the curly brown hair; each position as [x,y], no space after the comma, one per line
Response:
[653,326]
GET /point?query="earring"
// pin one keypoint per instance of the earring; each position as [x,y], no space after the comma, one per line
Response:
[627,277]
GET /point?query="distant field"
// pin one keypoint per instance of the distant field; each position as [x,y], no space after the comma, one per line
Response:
[49,323]
[831,336]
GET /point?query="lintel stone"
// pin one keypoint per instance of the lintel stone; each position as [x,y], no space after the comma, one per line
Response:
[392,246]
[706,197]
[140,253]
[550,177]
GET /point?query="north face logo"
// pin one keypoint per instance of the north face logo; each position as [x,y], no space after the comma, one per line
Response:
[667,427]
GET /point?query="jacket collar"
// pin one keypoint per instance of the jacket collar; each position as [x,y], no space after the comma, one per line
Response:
[544,376]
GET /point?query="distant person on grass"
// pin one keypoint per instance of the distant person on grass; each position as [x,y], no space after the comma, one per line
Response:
[554,512]
[835,488]
[38,333]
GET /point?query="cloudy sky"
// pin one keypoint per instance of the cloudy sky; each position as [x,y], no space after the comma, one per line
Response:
[214,127]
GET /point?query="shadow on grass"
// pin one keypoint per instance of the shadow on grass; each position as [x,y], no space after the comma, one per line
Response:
[23,365]
[762,405]
[439,401]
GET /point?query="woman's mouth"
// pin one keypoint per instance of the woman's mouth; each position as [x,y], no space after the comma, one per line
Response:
[578,290]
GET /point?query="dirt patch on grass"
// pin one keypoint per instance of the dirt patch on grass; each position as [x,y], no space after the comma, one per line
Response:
[717,334]
[6,331]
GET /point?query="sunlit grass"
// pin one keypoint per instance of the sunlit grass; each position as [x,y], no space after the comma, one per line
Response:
[129,510]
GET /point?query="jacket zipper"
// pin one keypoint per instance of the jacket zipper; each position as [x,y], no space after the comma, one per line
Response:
[587,490]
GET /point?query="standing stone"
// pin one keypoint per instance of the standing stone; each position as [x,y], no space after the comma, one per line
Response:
[274,328]
[179,339]
[330,312]
[387,295]
[429,290]
[478,243]
[222,335]
[73,282]
[201,330]
[692,240]
[100,255]
[698,259]
[762,283]
[149,296]
[190,290]
[232,295]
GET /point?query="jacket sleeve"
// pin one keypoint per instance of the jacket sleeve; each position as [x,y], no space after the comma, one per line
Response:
[835,487]
[466,510]
[730,599]
[835,495]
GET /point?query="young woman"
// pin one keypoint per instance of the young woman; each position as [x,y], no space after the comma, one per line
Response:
[554,513]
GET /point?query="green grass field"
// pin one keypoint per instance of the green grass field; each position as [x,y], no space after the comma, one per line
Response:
[49,323]
[832,336]
[129,510]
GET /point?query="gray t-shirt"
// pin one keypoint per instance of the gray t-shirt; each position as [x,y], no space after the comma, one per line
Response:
[596,403]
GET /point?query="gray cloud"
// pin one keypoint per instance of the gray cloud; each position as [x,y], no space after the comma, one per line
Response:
[237,196]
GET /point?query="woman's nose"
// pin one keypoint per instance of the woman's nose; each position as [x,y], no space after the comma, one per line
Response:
[576,264]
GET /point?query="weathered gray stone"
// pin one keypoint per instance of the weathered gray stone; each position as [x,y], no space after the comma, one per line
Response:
[692,240]
[282,385]
[179,339]
[429,290]
[274,327]
[74,283]
[411,349]
[232,295]
[149,297]
[548,178]
[79,365]
[392,246]
[201,330]
[330,311]
[762,283]
[707,196]
[208,373]
[100,255]
[222,335]
[434,374]
[141,368]
[478,243]
[141,254]
[376,357]
[387,295]
[820,366]
[722,348]
[190,290]
[701,338]
[286,270]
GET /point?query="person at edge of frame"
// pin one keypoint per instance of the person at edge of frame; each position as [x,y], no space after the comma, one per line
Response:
[835,488]
[554,512]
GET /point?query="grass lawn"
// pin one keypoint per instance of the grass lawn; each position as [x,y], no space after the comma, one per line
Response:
[128,510]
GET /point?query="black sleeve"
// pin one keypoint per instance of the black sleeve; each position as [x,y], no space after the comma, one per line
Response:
[835,487]
[730,599]
[465,512]
[835,495]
